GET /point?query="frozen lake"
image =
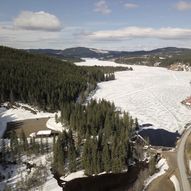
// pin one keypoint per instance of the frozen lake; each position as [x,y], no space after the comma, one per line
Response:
[151,94]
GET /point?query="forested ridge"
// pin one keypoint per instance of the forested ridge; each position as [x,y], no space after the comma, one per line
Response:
[184,58]
[44,81]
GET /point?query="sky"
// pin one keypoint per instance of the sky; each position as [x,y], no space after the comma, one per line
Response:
[104,24]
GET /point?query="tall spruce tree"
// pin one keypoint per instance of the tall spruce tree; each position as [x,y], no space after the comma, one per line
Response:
[71,153]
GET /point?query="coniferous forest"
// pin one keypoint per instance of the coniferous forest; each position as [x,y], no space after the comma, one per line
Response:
[99,136]
[102,137]
[44,81]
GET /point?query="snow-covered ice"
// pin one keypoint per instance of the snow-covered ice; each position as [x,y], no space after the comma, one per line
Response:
[151,94]
[175,182]
[95,62]
[162,165]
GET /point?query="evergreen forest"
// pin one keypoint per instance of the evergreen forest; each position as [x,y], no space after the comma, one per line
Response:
[98,136]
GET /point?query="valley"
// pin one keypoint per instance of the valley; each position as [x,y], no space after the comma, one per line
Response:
[95,95]
[151,94]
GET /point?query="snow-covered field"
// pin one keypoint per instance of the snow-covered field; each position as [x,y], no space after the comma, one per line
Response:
[151,94]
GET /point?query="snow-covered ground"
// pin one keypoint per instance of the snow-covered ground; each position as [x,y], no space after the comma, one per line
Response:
[14,173]
[175,182]
[51,124]
[162,166]
[99,51]
[151,94]
[74,175]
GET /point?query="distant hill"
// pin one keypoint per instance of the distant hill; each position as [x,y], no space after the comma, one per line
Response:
[72,53]
[170,57]
[83,52]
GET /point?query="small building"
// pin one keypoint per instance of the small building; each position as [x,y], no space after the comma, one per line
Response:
[44,133]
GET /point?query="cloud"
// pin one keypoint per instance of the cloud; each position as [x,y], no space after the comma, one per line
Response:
[131,5]
[183,6]
[21,38]
[141,32]
[40,21]
[102,7]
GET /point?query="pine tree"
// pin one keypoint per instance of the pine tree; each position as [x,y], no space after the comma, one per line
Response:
[14,144]
[136,124]
[93,151]
[86,157]
[59,156]
[71,153]
[24,142]
[152,166]
[41,145]
[3,149]
[106,158]
[11,97]
[47,145]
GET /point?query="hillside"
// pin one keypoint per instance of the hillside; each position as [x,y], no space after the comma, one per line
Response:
[43,81]
[83,52]
[170,57]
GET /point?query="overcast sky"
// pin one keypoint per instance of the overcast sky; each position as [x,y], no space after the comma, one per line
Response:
[103,24]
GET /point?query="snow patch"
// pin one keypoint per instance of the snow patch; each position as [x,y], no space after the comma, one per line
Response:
[74,175]
[162,165]
[51,124]
[52,185]
[175,183]
[99,51]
